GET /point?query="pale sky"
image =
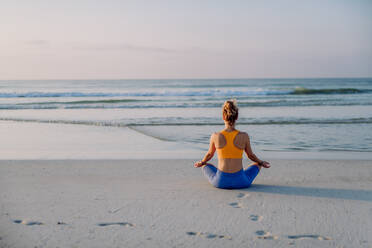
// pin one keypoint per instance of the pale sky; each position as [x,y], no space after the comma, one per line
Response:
[95,39]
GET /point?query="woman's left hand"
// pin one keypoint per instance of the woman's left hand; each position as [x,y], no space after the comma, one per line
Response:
[198,164]
[265,164]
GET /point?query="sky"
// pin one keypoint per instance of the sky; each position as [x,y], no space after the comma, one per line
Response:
[77,39]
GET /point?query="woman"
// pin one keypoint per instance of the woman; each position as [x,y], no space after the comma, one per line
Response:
[230,144]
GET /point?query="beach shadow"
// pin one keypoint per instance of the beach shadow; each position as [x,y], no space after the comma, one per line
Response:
[346,194]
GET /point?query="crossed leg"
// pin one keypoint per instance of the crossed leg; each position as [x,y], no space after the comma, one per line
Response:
[209,171]
[252,171]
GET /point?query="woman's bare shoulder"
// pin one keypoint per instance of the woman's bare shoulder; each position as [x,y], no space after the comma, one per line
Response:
[218,139]
[242,137]
[240,140]
[216,135]
[243,134]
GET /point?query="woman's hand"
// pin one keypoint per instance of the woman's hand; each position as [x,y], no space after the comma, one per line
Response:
[265,164]
[199,164]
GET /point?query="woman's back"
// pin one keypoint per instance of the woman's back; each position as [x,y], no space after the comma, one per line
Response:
[230,145]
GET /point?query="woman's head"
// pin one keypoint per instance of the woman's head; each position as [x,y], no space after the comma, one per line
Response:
[230,112]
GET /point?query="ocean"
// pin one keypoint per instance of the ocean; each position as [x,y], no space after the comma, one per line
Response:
[280,115]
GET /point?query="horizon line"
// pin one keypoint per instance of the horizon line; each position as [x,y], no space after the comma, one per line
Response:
[186,78]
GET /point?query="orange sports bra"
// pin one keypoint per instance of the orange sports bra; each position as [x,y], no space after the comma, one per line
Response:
[230,150]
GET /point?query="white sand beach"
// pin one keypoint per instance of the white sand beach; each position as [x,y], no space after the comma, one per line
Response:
[168,203]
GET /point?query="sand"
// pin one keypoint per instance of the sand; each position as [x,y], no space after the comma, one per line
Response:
[168,203]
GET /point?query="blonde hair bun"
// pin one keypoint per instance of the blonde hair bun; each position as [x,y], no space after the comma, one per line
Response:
[230,111]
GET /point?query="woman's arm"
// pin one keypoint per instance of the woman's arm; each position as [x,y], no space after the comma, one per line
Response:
[209,155]
[252,156]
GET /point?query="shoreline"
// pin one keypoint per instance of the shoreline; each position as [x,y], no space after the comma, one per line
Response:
[167,203]
[44,141]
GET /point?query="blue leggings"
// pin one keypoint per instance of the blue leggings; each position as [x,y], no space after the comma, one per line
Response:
[236,180]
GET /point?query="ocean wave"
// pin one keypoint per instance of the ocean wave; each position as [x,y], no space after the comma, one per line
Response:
[86,102]
[180,92]
[194,122]
[143,104]
[145,94]
[305,91]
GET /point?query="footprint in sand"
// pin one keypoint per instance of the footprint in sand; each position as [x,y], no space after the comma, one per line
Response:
[266,235]
[254,217]
[242,195]
[126,224]
[208,235]
[236,205]
[28,222]
[309,236]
